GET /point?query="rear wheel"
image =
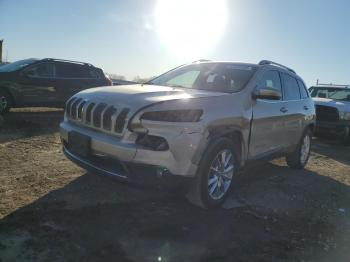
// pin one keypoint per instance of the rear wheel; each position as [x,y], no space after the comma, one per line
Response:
[215,174]
[5,102]
[299,158]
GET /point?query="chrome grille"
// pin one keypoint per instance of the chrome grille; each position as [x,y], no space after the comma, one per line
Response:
[96,115]
[101,116]
[107,117]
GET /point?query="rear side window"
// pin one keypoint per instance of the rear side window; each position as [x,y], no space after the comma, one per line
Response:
[69,70]
[303,93]
[290,88]
[271,79]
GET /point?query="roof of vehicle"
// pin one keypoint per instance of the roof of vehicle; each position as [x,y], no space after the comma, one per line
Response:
[66,61]
[330,85]
[261,63]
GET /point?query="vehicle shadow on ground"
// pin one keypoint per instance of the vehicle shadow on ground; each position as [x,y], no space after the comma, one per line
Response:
[274,213]
[332,148]
[24,123]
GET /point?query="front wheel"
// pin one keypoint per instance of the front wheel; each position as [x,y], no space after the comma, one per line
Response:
[5,102]
[299,158]
[215,174]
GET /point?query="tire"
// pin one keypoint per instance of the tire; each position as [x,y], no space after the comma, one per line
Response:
[5,102]
[299,158]
[202,193]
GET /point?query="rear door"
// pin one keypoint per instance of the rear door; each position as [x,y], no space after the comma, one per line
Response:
[73,78]
[37,85]
[294,106]
[267,129]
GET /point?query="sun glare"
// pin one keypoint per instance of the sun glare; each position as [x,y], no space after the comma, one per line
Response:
[190,28]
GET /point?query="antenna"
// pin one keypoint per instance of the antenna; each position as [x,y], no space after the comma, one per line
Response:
[1,42]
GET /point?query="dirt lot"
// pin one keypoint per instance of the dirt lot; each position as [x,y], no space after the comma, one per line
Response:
[50,210]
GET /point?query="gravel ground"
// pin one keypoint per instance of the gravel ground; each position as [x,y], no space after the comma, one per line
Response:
[51,210]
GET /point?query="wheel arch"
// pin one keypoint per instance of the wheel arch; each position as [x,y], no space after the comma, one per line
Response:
[232,133]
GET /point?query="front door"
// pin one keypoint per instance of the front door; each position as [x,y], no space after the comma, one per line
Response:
[267,129]
[37,85]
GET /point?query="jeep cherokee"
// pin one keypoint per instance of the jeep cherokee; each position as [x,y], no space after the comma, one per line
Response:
[197,123]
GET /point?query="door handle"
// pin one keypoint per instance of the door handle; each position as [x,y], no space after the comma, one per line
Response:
[306,107]
[284,110]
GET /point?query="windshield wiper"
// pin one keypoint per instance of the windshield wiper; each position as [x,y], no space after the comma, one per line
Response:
[179,86]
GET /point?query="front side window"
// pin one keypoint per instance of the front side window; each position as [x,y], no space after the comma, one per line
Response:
[340,94]
[42,70]
[271,79]
[217,77]
[290,88]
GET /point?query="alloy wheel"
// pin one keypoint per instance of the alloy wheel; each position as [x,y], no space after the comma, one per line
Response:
[305,149]
[221,174]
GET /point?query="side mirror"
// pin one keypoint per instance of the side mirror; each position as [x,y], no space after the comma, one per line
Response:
[267,93]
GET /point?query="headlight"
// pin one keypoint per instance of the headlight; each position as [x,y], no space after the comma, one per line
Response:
[344,115]
[174,115]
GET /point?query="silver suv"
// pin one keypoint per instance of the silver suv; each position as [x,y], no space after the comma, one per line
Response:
[195,125]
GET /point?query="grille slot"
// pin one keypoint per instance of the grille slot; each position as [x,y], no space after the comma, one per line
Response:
[88,112]
[74,108]
[69,104]
[327,113]
[80,109]
[97,114]
[121,119]
[107,118]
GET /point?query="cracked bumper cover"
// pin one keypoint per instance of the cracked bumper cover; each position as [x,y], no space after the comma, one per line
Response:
[177,160]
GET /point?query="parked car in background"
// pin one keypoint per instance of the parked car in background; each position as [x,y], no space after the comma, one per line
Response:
[118,82]
[332,104]
[46,82]
[198,123]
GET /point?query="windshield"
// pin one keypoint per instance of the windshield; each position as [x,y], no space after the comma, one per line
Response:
[218,77]
[16,65]
[340,94]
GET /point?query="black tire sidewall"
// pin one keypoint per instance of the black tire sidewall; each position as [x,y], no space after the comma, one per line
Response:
[8,99]
[203,172]
[294,160]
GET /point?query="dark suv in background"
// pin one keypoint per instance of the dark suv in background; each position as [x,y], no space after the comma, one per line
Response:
[46,82]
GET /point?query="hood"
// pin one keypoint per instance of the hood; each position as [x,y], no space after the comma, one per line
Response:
[139,96]
[342,106]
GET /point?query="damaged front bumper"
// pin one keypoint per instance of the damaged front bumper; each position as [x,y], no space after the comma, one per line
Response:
[127,161]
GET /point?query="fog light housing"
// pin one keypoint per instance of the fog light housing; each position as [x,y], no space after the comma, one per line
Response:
[155,143]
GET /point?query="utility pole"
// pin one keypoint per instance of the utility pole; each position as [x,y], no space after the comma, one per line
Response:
[1,41]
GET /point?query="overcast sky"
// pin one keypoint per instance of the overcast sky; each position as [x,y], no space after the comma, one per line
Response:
[147,37]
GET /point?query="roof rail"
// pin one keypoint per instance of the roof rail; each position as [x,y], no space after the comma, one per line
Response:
[268,62]
[65,60]
[331,84]
[201,60]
